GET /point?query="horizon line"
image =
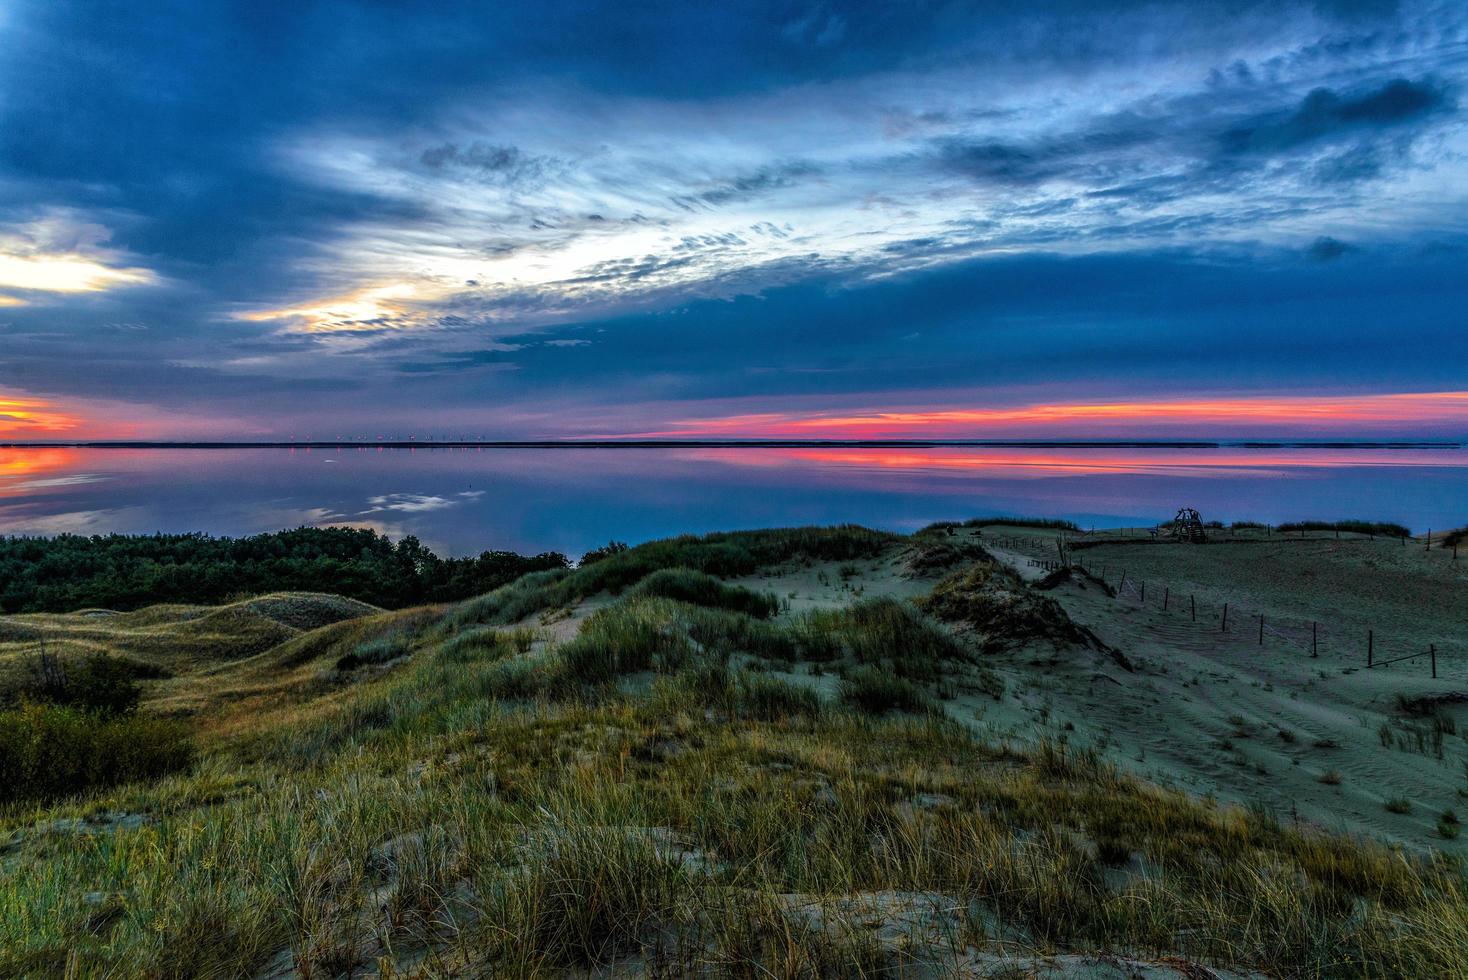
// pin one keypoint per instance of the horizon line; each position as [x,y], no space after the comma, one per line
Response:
[615,443]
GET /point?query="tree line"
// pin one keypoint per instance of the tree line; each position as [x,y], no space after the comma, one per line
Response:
[122,572]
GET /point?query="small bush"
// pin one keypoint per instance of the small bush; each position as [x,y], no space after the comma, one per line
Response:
[1399,804]
[48,750]
[687,585]
[875,691]
[97,683]
[606,551]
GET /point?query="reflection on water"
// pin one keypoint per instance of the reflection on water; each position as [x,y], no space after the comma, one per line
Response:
[465,500]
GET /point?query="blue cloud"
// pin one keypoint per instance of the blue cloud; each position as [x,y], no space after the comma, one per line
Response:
[738,200]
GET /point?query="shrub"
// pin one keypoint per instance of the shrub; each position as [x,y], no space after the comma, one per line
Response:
[687,585]
[1399,804]
[49,750]
[96,683]
[606,551]
[875,691]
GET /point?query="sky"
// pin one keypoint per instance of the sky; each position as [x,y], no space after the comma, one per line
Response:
[910,219]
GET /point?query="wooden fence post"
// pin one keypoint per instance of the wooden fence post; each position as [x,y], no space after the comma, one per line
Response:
[1432,652]
[1314,639]
[1261,629]
[1193,601]
[1225,617]
[1370,646]
[1144,592]
[1166,594]
[1429,540]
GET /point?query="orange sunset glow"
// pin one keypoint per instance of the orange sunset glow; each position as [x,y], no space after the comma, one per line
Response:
[1304,412]
[31,417]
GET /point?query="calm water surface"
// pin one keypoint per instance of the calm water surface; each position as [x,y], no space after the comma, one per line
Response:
[461,501]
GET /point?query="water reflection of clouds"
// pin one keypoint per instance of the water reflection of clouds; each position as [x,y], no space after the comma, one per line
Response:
[22,519]
[1032,464]
[465,501]
[418,503]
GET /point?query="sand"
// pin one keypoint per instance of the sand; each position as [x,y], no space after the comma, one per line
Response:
[1216,713]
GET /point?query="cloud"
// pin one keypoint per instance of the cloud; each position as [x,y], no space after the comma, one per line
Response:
[60,253]
[352,211]
[1325,115]
[508,164]
[1327,249]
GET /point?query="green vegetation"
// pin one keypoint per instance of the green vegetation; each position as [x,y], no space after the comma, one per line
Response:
[705,590]
[875,691]
[129,571]
[49,751]
[1383,528]
[688,782]
[97,682]
[1043,523]
[724,554]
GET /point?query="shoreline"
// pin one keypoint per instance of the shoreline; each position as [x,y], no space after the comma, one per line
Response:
[741,444]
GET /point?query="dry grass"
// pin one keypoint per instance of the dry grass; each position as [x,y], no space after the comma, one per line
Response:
[642,797]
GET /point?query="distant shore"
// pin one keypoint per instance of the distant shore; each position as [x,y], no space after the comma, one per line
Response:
[743,444]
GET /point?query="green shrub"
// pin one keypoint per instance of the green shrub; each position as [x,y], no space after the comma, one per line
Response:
[606,551]
[97,683]
[687,585]
[875,691]
[48,750]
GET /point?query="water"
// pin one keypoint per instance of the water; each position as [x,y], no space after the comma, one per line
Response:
[461,501]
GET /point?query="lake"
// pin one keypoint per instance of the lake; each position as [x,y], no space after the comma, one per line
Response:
[464,500]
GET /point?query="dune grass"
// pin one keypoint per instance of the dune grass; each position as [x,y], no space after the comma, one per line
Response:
[671,792]
[702,589]
[1385,529]
[566,833]
[724,554]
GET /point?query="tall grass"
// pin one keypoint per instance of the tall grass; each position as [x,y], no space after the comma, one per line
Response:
[702,589]
[724,554]
[495,806]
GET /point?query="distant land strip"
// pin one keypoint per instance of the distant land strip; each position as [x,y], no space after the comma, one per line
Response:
[736,444]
